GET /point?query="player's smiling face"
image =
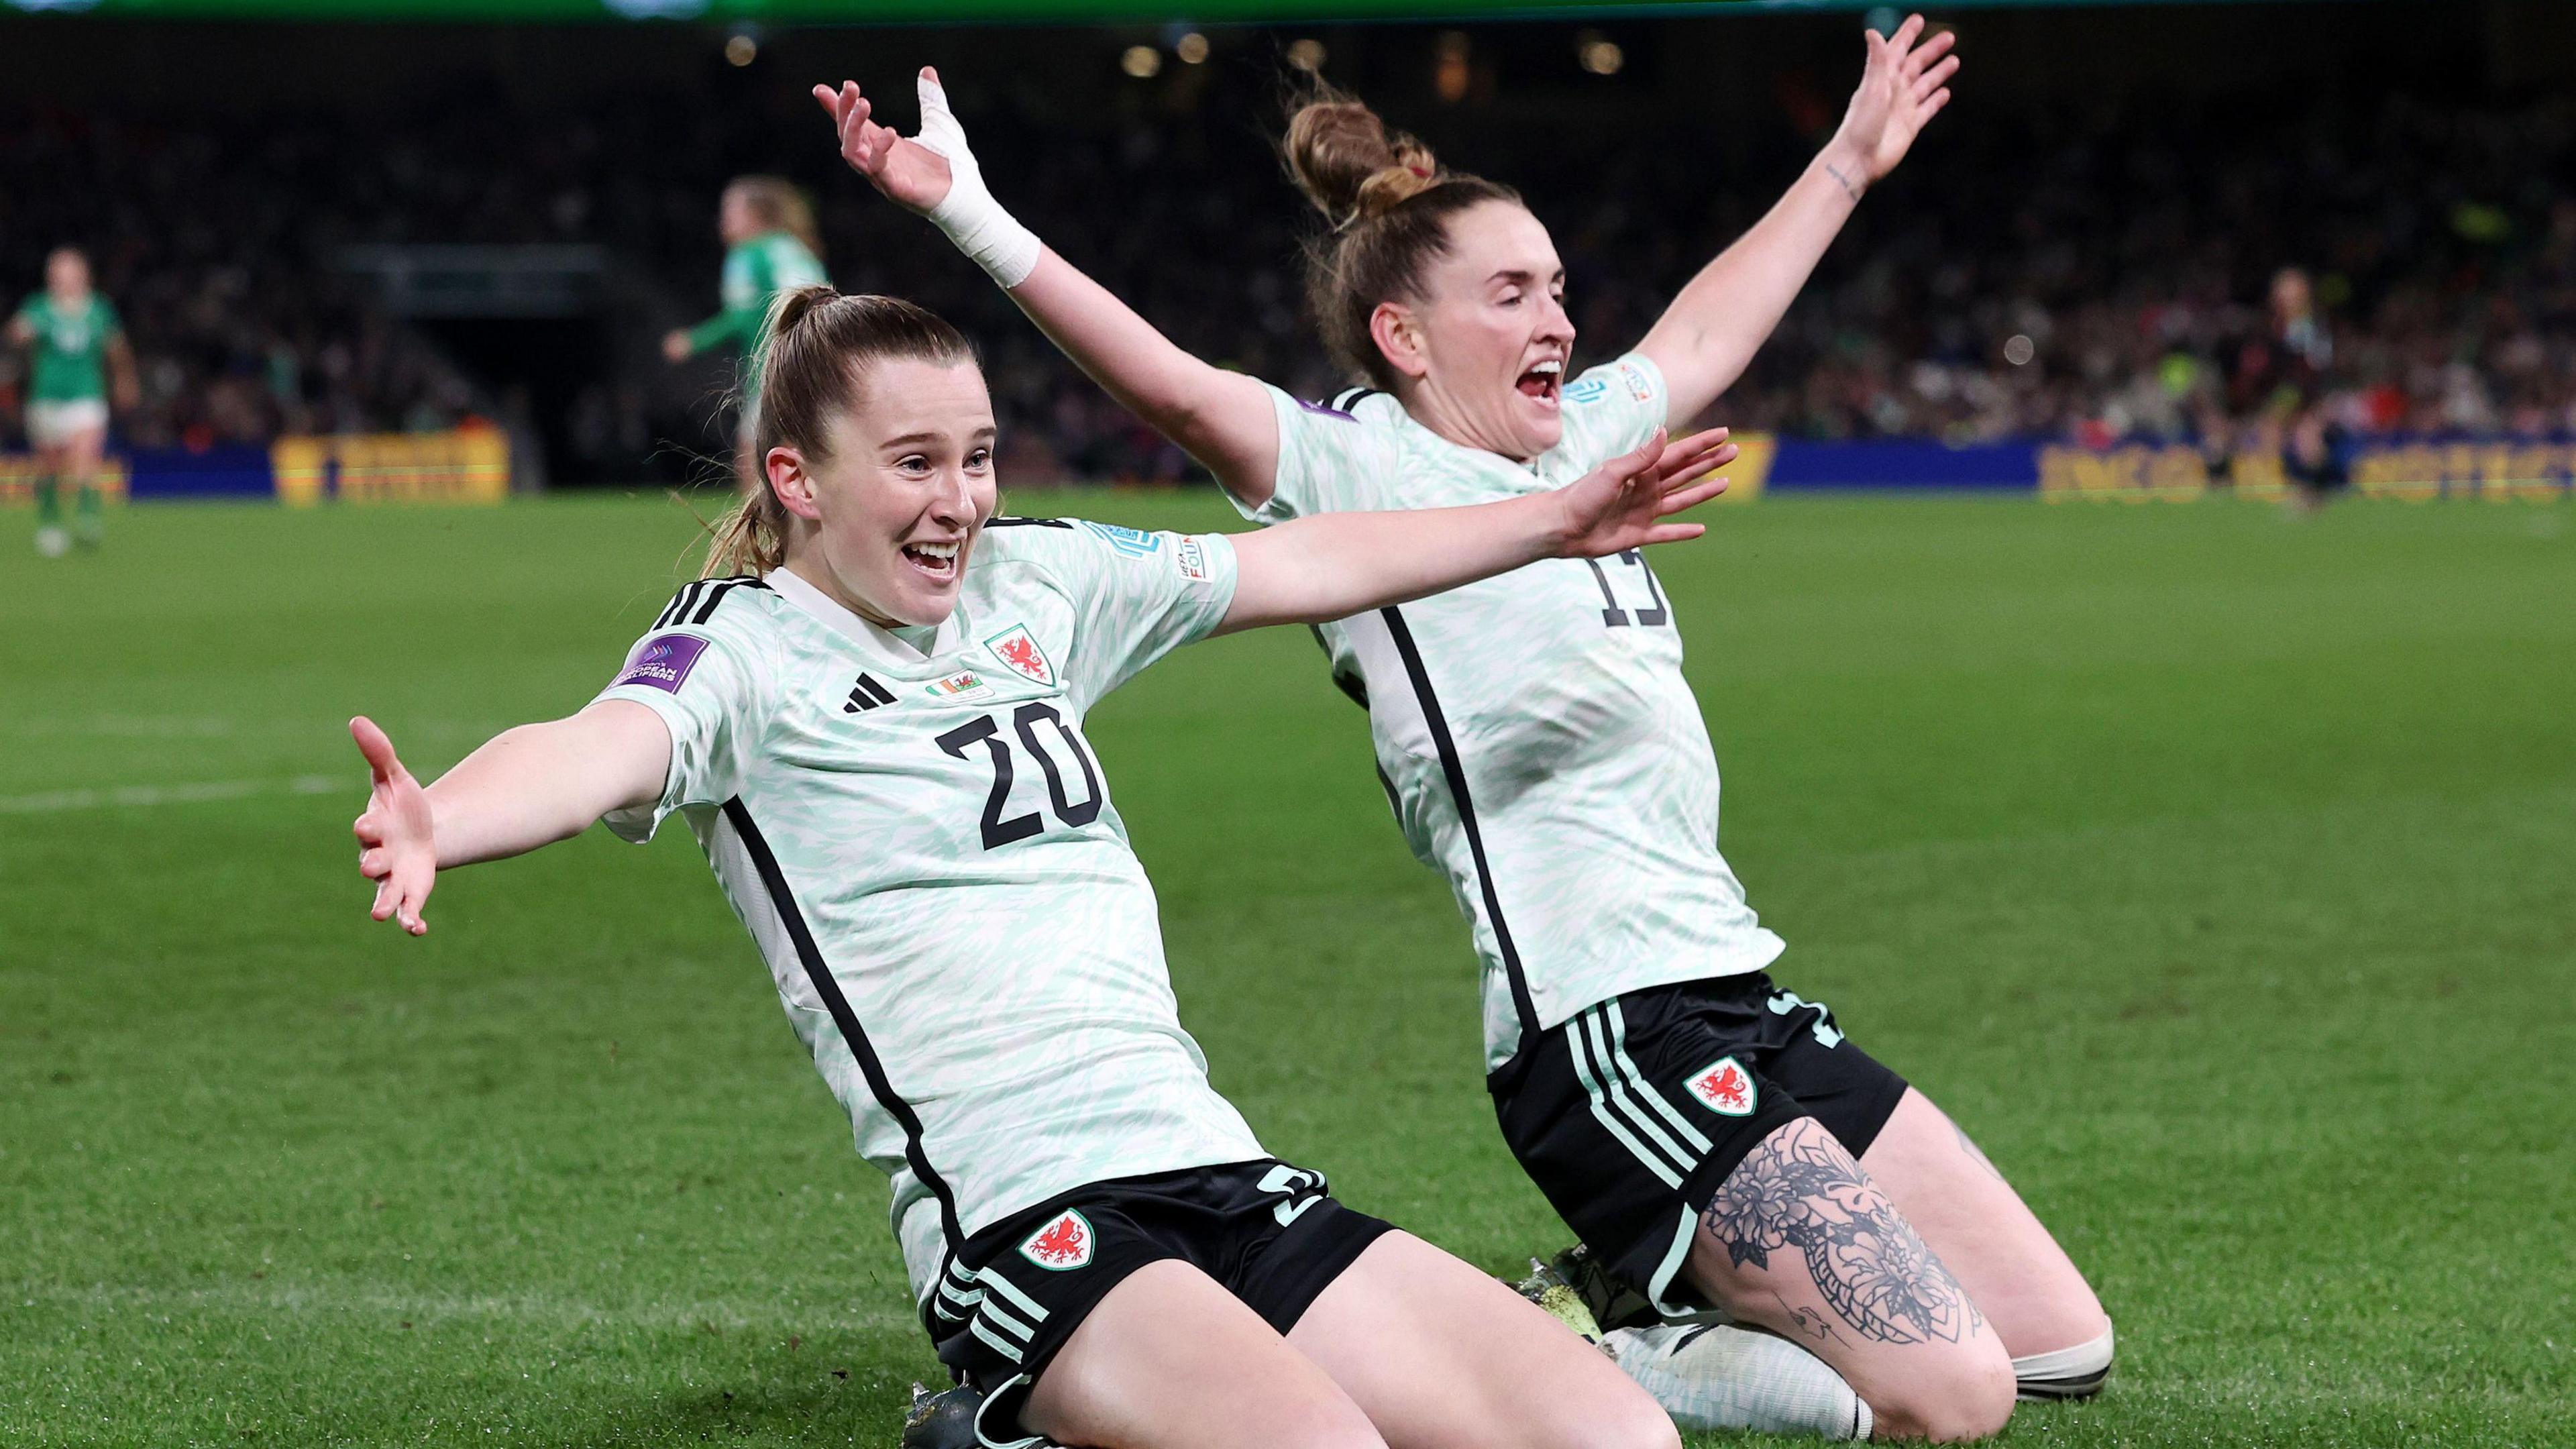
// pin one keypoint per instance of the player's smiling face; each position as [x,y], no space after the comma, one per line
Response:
[1488,342]
[897,505]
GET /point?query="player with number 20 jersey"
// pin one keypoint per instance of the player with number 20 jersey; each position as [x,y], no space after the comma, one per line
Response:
[873,723]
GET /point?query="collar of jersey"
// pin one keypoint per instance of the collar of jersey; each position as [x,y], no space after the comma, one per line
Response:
[1405,419]
[828,612]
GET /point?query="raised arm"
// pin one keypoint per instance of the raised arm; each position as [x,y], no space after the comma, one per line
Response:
[1221,418]
[1706,339]
[1334,565]
[526,787]
[125,380]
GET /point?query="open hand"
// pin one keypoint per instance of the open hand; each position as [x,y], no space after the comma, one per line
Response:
[1619,505]
[914,172]
[1903,87]
[397,848]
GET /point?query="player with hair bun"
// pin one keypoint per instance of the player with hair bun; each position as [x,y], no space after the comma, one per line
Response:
[870,713]
[1723,1150]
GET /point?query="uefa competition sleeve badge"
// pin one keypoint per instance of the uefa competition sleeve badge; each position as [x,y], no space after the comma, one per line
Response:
[663,662]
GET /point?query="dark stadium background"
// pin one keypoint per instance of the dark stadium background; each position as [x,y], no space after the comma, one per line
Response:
[2208,862]
[2116,182]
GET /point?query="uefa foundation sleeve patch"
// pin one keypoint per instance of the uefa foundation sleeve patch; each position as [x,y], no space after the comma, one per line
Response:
[665,661]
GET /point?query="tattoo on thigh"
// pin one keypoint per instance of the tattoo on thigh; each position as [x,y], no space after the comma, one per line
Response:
[1801,1190]
[1807,1321]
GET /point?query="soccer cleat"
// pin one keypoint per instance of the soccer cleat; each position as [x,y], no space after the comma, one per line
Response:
[53,540]
[2068,1373]
[2073,1386]
[944,1420]
[1612,1304]
[1559,1300]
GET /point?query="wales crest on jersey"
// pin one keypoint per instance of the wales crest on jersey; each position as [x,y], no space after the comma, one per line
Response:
[1019,652]
[1063,1245]
[1724,1087]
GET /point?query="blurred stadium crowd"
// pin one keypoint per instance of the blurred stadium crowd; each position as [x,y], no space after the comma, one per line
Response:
[2033,271]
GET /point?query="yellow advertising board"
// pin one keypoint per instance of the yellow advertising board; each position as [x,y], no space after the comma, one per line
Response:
[469,465]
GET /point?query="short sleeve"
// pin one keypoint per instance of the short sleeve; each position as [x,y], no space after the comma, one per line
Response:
[741,288]
[1137,596]
[709,687]
[1330,461]
[1610,410]
[112,325]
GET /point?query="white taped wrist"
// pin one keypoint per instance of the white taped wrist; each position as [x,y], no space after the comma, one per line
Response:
[989,236]
[971,218]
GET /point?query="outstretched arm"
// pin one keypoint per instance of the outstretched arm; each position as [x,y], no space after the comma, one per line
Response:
[1221,418]
[526,787]
[1334,565]
[1708,336]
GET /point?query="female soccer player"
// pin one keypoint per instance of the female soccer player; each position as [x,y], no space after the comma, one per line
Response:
[874,728]
[79,348]
[771,246]
[1712,1137]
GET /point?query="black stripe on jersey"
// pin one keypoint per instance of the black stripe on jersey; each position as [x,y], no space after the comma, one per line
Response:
[1455,770]
[716,596]
[678,608]
[696,601]
[1350,684]
[811,956]
[1351,398]
[1028,523]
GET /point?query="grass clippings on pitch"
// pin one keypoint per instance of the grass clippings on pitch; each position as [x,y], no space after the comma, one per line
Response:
[2213,870]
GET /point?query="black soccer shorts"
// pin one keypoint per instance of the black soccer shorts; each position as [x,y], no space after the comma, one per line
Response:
[1630,1115]
[1272,1234]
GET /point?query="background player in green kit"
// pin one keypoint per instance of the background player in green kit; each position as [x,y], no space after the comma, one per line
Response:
[771,246]
[1719,1143]
[78,349]
[875,731]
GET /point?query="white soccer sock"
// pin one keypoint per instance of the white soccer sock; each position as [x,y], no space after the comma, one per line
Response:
[1722,1377]
[2065,1373]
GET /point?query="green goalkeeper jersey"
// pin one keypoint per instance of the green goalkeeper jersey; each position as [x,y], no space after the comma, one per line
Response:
[754,273]
[70,347]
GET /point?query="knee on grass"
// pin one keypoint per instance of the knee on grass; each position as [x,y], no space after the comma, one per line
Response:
[1626,1421]
[1972,1401]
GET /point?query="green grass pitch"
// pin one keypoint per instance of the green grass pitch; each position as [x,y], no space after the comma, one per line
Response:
[2217,872]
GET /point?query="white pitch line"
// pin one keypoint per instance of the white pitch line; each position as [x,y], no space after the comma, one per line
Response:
[57,801]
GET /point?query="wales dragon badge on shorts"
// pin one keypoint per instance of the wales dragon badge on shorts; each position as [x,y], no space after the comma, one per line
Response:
[1063,1245]
[1724,1087]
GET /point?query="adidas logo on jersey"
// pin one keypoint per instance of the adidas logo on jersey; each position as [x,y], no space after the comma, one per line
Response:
[1063,1245]
[867,694]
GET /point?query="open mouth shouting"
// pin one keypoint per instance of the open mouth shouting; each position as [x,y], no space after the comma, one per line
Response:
[1544,383]
[936,558]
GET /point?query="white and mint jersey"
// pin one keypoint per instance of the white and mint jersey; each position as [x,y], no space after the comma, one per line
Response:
[1541,746]
[924,847]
